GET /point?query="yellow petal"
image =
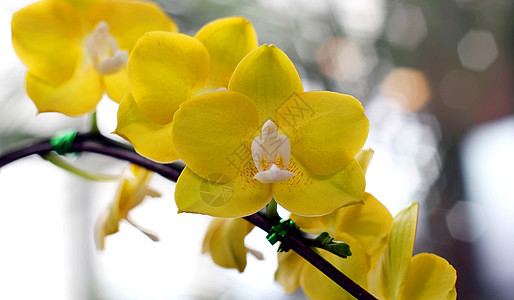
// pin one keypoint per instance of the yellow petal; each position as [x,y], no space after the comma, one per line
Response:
[389,275]
[134,189]
[163,70]
[131,192]
[224,240]
[326,129]
[82,5]
[429,277]
[129,20]
[228,40]
[364,158]
[317,285]
[316,225]
[212,133]
[107,224]
[75,97]
[47,37]
[314,195]
[268,77]
[218,197]
[452,295]
[117,85]
[149,139]
[369,223]
[290,266]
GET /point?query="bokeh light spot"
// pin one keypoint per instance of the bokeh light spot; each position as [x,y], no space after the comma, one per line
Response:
[466,221]
[341,59]
[407,88]
[406,26]
[477,50]
[459,89]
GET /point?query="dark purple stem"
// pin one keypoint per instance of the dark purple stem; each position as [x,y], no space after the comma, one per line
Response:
[101,145]
[123,154]
[86,144]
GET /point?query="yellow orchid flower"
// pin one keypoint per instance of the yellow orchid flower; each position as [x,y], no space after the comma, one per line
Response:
[224,241]
[264,137]
[76,50]
[165,69]
[317,285]
[365,227]
[397,275]
[131,192]
[369,222]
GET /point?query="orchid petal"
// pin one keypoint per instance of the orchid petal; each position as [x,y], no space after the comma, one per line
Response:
[429,277]
[388,277]
[220,197]
[268,77]
[75,97]
[370,223]
[129,20]
[224,240]
[163,70]
[364,158]
[131,192]
[317,285]
[290,266]
[149,139]
[117,85]
[326,129]
[308,194]
[47,37]
[82,6]
[228,40]
[212,133]
[316,225]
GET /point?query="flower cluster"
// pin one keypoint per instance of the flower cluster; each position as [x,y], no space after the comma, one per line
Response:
[237,115]
[381,258]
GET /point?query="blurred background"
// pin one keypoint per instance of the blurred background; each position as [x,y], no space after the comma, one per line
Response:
[435,79]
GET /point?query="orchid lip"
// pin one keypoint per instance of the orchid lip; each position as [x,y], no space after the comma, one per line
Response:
[271,152]
[104,52]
